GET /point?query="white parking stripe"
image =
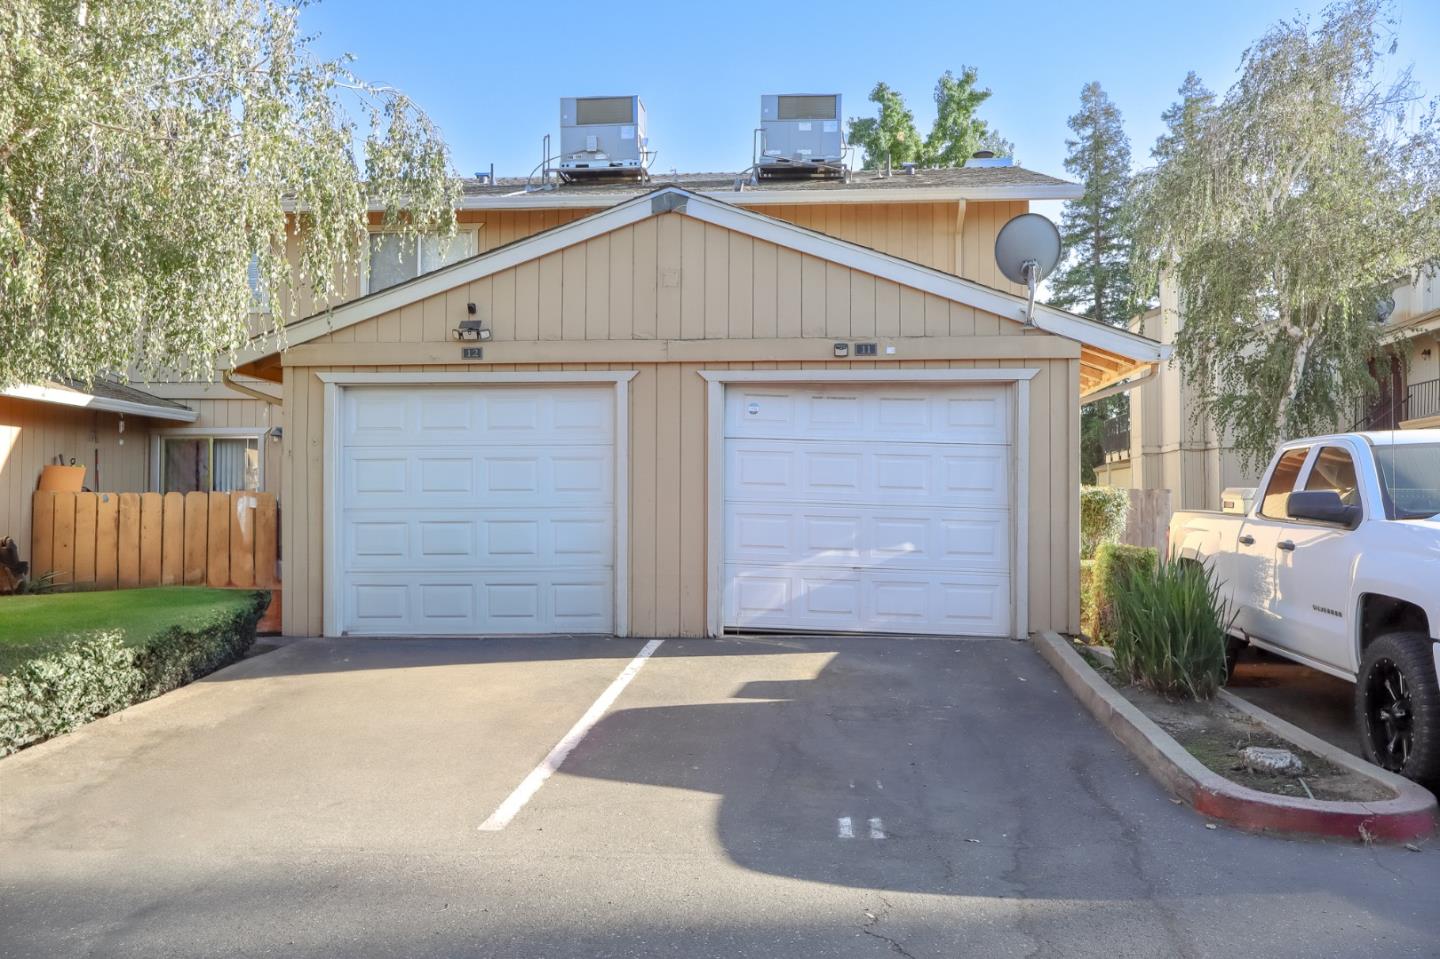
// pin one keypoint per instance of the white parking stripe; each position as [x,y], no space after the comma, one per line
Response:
[847,830]
[531,784]
[877,829]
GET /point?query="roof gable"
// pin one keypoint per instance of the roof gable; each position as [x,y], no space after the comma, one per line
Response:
[718,213]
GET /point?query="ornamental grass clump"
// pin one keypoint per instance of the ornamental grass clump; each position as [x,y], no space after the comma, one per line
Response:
[1169,629]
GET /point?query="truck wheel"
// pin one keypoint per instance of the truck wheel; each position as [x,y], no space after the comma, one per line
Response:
[1234,646]
[1397,706]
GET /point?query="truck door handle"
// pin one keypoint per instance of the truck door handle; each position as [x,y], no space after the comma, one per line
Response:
[1286,544]
[1247,540]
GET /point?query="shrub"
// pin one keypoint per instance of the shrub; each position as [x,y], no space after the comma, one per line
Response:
[1088,599]
[1113,564]
[1102,516]
[1169,629]
[100,674]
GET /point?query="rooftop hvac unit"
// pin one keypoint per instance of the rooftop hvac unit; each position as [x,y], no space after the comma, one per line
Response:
[602,137]
[800,135]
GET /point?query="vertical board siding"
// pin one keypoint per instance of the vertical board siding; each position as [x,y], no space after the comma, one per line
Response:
[701,281]
[671,277]
[33,434]
[668,469]
[128,540]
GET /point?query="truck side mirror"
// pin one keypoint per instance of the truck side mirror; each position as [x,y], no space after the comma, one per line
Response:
[1322,506]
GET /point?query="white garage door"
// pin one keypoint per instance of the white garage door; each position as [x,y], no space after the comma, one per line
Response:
[474,510]
[868,508]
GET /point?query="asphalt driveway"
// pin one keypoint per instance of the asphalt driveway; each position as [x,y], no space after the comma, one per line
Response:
[760,797]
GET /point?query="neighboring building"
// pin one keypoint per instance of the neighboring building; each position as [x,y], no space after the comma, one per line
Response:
[1159,445]
[1410,394]
[108,428]
[801,406]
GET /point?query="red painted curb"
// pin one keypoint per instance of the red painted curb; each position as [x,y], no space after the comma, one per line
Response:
[1408,816]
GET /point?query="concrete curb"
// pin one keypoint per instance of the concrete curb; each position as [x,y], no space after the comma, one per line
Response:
[1410,815]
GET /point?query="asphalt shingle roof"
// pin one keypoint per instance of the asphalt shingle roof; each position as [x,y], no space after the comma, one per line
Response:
[113,390]
[952,178]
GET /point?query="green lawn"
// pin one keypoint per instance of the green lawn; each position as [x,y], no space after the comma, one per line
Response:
[32,626]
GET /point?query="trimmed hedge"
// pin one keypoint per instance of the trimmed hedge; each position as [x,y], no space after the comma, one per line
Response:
[99,674]
[1100,581]
[1103,510]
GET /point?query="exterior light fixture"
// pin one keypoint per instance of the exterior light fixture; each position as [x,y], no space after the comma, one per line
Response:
[471,330]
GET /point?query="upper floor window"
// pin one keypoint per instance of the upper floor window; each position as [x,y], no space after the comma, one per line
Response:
[259,293]
[395,258]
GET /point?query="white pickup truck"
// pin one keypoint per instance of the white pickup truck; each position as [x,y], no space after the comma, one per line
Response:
[1336,564]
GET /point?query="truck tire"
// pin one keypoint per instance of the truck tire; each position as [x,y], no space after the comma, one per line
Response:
[1397,706]
[1234,648]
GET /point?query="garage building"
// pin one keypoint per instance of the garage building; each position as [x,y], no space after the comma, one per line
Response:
[688,418]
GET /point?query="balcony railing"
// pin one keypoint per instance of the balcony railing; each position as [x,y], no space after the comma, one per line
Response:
[1422,399]
[1115,438]
[1419,401]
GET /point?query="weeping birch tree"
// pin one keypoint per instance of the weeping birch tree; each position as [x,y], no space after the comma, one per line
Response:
[1283,213]
[154,152]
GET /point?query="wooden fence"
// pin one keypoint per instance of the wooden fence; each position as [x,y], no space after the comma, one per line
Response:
[126,540]
[1147,523]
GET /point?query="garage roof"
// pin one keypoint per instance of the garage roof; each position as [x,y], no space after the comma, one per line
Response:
[1110,355]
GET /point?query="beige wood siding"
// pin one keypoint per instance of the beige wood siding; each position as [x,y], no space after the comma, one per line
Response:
[683,279]
[667,487]
[667,297]
[956,237]
[33,434]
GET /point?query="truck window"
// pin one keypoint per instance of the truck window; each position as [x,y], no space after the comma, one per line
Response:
[1410,473]
[1282,483]
[1335,470]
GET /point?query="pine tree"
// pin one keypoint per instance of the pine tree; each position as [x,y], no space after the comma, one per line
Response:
[1095,278]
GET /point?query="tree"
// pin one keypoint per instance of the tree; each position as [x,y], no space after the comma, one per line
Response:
[1094,230]
[1283,214]
[891,134]
[1095,278]
[954,137]
[150,150]
[958,132]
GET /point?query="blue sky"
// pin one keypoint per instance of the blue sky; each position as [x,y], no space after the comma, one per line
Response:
[492,75]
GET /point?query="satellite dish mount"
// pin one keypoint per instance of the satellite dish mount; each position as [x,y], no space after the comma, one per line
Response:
[1027,250]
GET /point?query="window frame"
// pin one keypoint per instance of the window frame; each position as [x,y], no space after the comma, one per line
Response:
[471,228]
[259,291]
[1308,473]
[157,450]
[1301,473]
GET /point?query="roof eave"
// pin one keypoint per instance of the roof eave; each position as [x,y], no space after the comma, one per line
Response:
[550,199]
[81,400]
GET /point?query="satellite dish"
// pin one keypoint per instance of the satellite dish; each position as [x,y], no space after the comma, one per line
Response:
[1027,250]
